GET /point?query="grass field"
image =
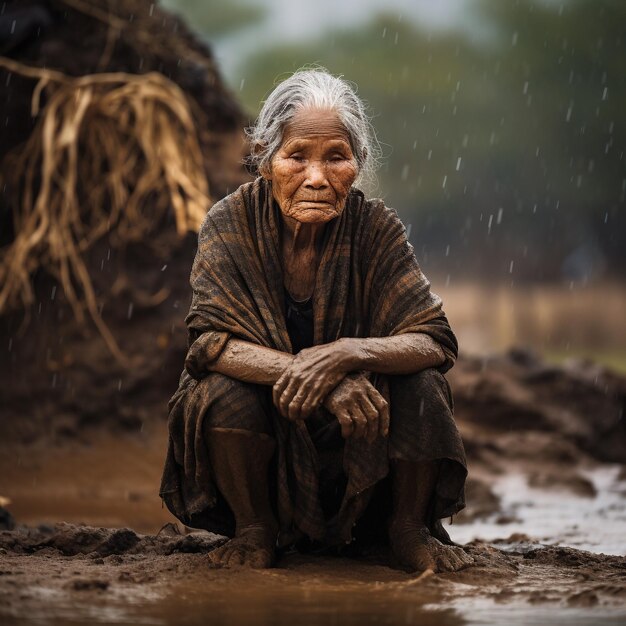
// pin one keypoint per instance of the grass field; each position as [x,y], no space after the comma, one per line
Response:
[558,321]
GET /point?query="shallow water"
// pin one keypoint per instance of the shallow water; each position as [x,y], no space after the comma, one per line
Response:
[325,601]
[557,516]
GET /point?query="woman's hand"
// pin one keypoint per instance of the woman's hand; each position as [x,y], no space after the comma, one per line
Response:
[360,408]
[311,375]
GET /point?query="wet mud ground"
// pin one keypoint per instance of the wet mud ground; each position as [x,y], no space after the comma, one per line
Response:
[76,574]
[117,558]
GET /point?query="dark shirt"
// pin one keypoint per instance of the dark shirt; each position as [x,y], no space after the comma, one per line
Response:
[299,318]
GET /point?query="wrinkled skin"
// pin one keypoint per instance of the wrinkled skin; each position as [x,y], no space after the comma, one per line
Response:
[310,376]
[314,371]
[313,170]
[359,408]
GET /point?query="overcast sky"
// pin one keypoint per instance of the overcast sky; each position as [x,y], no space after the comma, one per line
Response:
[297,20]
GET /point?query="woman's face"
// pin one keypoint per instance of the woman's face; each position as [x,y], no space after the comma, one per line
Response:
[314,168]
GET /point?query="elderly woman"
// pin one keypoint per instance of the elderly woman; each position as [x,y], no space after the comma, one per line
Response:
[313,410]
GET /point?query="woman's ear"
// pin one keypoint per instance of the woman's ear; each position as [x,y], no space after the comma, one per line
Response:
[364,151]
[264,170]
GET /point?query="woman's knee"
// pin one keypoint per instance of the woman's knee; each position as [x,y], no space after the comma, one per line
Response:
[427,383]
[422,417]
[236,404]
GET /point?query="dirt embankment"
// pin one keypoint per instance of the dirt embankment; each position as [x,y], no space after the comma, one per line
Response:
[58,377]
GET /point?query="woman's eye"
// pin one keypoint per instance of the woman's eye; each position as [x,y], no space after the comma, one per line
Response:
[337,157]
[297,157]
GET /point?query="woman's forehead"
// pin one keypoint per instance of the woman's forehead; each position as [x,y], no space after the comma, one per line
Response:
[313,123]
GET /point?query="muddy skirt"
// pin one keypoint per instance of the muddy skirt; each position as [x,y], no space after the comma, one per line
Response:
[422,428]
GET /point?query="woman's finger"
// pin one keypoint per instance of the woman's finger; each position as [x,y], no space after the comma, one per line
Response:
[383,411]
[371,413]
[286,396]
[346,423]
[279,387]
[294,409]
[360,422]
[322,386]
[311,402]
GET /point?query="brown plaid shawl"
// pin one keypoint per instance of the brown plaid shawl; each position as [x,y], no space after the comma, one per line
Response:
[368,284]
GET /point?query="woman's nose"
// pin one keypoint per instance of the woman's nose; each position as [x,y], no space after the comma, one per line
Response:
[316,175]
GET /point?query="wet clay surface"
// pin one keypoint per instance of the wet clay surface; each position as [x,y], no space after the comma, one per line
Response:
[74,574]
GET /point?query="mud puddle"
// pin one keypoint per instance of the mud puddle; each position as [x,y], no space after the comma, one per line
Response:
[321,593]
[70,574]
[595,522]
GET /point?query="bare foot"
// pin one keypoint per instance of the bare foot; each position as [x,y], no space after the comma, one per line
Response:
[253,547]
[414,546]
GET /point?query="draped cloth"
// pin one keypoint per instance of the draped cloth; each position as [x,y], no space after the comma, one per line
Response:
[368,284]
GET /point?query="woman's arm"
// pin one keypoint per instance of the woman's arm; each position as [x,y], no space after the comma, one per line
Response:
[308,381]
[303,380]
[314,371]
[399,354]
[358,406]
[250,362]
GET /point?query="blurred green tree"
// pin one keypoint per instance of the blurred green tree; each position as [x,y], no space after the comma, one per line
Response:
[216,19]
[506,155]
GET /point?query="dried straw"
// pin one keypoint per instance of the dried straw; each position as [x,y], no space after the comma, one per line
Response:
[110,153]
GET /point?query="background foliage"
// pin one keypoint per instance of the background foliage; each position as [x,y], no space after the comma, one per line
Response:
[504,152]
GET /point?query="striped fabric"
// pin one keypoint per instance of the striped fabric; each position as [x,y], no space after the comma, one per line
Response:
[369,284]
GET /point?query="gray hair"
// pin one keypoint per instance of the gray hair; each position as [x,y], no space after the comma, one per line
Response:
[314,88]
